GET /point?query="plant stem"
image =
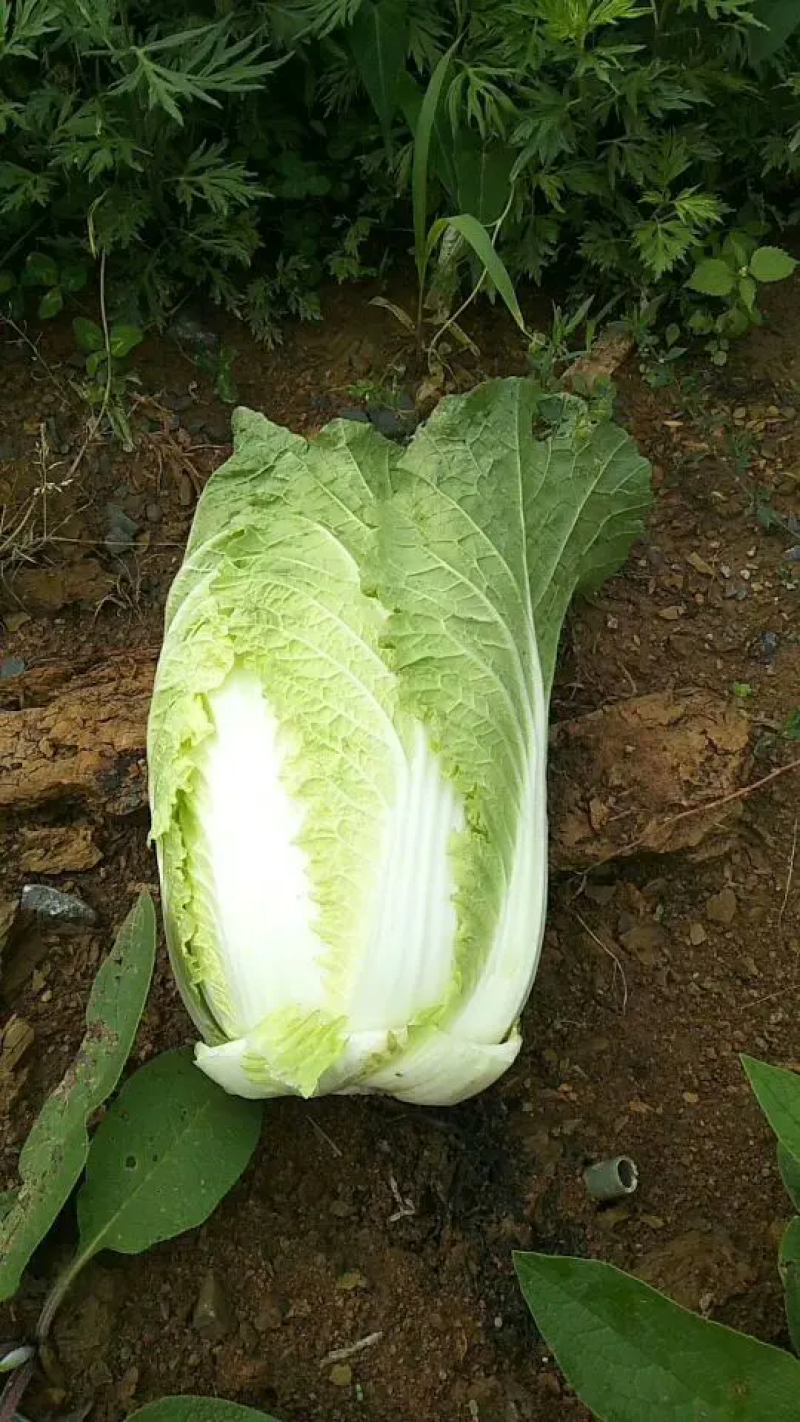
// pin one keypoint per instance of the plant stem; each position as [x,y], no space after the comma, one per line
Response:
[57,1294]
[13,1390]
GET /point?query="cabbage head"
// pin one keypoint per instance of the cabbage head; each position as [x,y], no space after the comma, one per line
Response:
[348,737]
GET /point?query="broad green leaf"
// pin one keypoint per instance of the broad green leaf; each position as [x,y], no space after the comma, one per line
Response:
[419,165]
[777,1092]
[197,1409]
[747,292]
[712,277]
[73,277]
[378,39]
[790,1175]
[779,19]
[7,1202]
[39,270]
[479,240]
[170,1147]
[771,264]
[51,303]
[739,246]
[95,362]
[632,1355]
[7,282]
[88,335]
[123,339]
[734,322]
[789,1268]
[484,176]
[55,1152]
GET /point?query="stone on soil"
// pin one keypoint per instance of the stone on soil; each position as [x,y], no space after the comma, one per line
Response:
[722,907]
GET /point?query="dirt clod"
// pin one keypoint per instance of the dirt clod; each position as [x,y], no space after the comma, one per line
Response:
[722,907]
[59,850]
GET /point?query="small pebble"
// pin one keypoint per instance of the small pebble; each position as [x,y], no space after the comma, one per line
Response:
[722,907]
[212,1317]
[55,908]
[697,935]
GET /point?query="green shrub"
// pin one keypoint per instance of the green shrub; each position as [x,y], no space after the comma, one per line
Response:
[244,150]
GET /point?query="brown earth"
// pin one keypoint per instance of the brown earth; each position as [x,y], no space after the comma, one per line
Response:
[659,967]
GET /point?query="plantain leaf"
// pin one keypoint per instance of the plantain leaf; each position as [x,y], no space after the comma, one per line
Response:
[634,1356]
[55,1152]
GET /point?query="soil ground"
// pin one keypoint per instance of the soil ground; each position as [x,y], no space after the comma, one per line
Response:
[361,1217]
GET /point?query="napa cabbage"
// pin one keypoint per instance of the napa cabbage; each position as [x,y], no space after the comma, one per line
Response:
[348,739]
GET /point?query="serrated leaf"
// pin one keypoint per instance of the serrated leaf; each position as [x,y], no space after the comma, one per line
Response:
[712,277]
[7,1201]
[88,335]
[631,1354]
[123,339]
[51,303]
[197,1409]
[167,1151]
[789,1269]
[55,1152]
[777,1092]
[73,277]
[378,39]
[39,270]
[769,264]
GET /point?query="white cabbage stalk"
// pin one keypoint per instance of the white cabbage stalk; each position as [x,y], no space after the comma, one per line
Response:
[348,741]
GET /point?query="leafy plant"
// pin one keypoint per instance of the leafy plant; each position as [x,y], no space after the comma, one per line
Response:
[446,237]
[41,272]
[107,381]
[629,1352]
[243,154]
[55,1152]
[393,616]
[732,274]
[165,1152]
[164,1155]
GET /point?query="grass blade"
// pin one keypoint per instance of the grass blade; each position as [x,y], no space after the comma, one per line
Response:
[419,168]
[479,240]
